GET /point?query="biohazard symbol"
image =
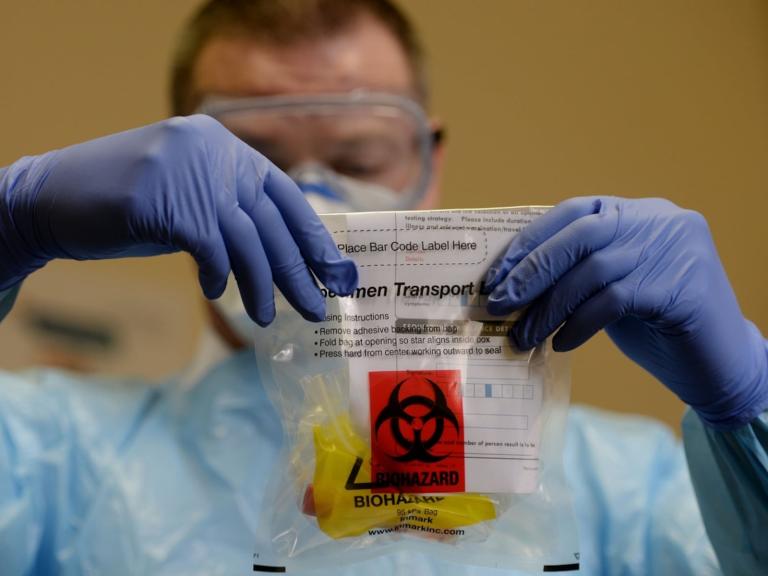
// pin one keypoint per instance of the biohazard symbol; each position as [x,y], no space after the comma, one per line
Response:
[400,413]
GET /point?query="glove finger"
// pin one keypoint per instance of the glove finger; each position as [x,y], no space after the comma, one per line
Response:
[612,303]
[202,239]
[558,303]
[550,260]
[538,232]
[317,247]
[289,270]
[213,266]
[249,264]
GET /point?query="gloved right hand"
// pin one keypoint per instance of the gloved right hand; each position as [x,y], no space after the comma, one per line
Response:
[648,272]
[182,184]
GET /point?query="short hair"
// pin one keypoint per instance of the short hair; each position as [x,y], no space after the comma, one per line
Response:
[284,21]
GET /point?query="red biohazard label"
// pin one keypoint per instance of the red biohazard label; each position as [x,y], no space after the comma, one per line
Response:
[417,431]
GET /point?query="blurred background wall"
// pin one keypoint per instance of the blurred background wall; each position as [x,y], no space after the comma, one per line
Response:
[542,101]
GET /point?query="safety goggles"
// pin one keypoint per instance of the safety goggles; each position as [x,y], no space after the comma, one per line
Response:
[380,139]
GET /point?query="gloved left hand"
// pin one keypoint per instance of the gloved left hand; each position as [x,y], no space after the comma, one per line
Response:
[648,272]
[181,184]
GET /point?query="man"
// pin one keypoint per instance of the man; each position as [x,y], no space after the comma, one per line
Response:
[111,479]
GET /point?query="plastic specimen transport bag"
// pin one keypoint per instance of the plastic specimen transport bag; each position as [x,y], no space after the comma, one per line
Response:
[409,420]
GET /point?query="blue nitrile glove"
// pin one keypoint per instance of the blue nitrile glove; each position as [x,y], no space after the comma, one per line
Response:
[182,184]
[648,272]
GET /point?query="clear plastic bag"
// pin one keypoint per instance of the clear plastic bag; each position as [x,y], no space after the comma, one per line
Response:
[409,421]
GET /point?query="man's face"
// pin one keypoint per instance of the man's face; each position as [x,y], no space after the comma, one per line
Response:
[364,55]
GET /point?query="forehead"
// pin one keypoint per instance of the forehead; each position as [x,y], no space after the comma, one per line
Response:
[363,55]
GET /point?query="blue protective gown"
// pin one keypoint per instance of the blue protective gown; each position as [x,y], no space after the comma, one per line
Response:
[126,477]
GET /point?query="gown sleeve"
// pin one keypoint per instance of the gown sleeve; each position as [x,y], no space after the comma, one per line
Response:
[61,435]
[729,472]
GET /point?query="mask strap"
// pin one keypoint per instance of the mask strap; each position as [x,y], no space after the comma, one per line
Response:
[318,188]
